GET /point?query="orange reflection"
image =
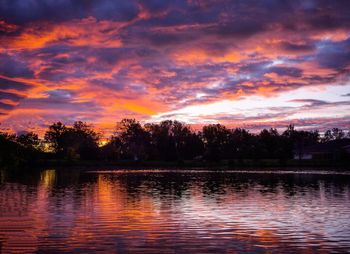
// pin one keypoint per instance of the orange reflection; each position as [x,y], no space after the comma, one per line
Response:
[117,212]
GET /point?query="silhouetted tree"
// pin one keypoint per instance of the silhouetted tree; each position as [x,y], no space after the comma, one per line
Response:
[9,150]
[173,140]
[298,140]
[333,134]
[216,138]
[54,136]
[165,141]
[78,141]
[29,140]
[112,150]
[84,139]
[271,144]
[135,140]
[186,144]
[162,140]
[18,151]
[241,144]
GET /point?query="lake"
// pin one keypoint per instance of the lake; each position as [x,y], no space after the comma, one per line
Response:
[174,211]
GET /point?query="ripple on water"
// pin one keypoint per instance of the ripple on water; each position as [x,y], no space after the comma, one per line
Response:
[154,211]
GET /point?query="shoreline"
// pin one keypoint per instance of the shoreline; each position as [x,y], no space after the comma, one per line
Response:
[246,165]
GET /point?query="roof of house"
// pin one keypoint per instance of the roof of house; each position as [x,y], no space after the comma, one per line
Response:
[328,147]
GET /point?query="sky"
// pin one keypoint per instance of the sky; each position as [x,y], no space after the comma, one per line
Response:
[243,63]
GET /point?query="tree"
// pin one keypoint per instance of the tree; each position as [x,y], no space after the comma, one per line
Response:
[54,136]
[85,139]
[333,134]
[173,140]
[216,139]
[18,150]
[29,140]
[298,140]
[135,140]
[187,144]
[272,144]
[241,144]
[112,150]
[10,151]
[162,140]
[78,141]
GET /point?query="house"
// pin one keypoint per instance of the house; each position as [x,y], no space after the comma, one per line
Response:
[330,150]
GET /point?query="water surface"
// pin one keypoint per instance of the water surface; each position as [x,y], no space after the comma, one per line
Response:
[155,211]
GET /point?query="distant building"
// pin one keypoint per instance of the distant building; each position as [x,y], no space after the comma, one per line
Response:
[330,150]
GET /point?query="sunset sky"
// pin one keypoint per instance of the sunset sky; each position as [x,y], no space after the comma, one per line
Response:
[246,63]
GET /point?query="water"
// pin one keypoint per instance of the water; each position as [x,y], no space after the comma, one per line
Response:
[153,211]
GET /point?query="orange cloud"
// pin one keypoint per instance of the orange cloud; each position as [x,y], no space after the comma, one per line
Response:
[85,32]
[196,56]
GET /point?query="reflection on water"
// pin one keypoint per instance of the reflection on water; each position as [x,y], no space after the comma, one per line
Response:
[182,212]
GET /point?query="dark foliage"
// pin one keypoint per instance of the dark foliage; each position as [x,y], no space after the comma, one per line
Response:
[17,151]
[164,141]
[77,142]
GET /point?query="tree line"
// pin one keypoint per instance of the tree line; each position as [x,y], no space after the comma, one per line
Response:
[165,141]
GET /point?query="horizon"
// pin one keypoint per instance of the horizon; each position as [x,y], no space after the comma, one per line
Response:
[248,64]
[104,136]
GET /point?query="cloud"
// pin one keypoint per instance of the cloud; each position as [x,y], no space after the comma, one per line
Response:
[297,47]
[12,67]
[101,60]
[6,84]
[60,100]
[20,12]
[10,96]
[5,106]
[334,55]
[310,102]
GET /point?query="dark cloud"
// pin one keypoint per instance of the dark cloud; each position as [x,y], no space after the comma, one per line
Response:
[10,96]
[233,18]
[70,62]
[59,72]
[310,102]
[287,71]
[10,84]
[61,99]
[335,55]
[113,84]
[21,12]
[328,14]
[6,106]
[69,59]
[11,67]
[161,5]
[111,56]
[297,47]
[238,29]
[168,38]
[235,21]
[255,67]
